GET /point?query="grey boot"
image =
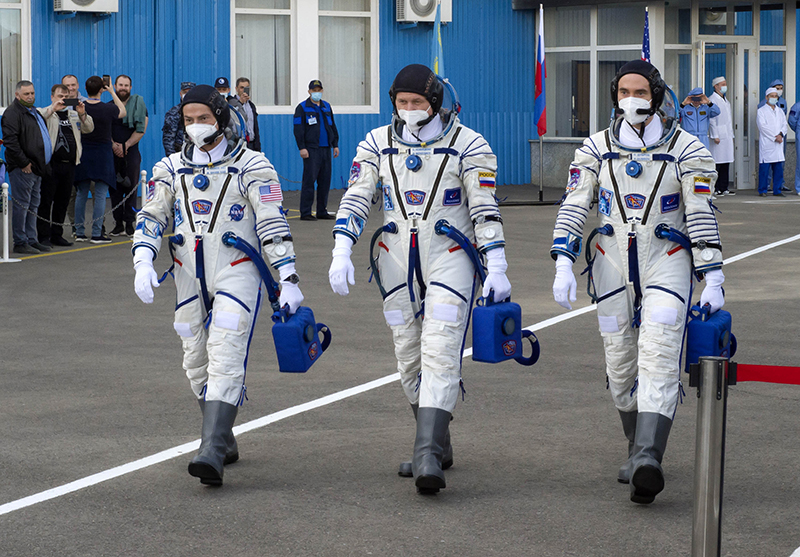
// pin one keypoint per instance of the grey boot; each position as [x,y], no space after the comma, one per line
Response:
[432,424]
[629,427]
[231,447]
[647,476]
[218,418]
[447,460]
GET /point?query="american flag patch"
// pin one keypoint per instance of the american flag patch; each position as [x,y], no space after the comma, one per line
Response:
[270,193]
[702,185]
[486,179]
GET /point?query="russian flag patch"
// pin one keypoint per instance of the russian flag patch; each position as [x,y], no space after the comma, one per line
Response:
[702,185]
[486,179]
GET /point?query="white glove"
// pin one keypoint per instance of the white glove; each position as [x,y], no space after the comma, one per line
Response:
[712,293]
[564,284]
[496,278]
[342,270]
[290,294]
[146,278]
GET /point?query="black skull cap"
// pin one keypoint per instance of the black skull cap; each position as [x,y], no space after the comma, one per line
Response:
[418,79]
[207,95]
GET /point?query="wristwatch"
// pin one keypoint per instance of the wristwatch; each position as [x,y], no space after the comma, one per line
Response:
[293,278]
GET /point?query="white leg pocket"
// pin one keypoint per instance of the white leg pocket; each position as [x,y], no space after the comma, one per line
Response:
[608,323]
[394,317]
[183,329]
[664,315]
[445,312]
[227,320]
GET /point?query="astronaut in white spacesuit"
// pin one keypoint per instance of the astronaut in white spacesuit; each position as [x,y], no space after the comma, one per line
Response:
[651,179]
[430,167]
[213,186]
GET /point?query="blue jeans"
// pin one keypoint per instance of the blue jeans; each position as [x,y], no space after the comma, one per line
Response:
[98,207]
[777,177]
[26,192]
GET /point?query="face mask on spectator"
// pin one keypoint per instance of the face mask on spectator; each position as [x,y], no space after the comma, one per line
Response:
[316,96]
[198,132]
[723,89]
[772,100]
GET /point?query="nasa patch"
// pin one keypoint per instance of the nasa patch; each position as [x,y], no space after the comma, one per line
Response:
[355,172]
[452,197]
[604,201]
[201,207]
[670,202]
[388,204]
[635,201]
[237,212]
[178,213]
[509,347]
[574,178]
[415,197]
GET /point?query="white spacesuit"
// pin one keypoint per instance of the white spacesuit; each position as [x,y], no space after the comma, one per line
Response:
[644,178]
[432,169]
[206,193]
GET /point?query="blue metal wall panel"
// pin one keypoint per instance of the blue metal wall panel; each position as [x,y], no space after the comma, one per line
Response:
[161,43]
[158,43]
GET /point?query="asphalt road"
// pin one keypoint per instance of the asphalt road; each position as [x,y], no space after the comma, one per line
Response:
[92,380]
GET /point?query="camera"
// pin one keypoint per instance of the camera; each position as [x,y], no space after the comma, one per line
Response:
[107,80]
[246,90]
[71,102]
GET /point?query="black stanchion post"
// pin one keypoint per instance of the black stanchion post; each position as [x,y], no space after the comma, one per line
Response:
[711,377]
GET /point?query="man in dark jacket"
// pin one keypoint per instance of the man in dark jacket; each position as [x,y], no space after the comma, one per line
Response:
[315,132]
[172,130]
[28,152]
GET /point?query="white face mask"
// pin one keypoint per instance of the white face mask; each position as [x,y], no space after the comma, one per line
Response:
[630,107]
[723,89]
[412,118]
[780,92]
[772,100]
[198,132]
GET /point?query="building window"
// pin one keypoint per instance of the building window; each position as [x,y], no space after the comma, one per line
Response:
[344,51]
[14,44]
[281,45]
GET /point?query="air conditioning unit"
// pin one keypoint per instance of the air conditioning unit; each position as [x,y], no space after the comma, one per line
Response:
[423,10]
[98,6]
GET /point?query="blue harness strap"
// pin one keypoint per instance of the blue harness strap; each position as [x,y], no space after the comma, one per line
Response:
[633,277]
[415,267]
[200,270]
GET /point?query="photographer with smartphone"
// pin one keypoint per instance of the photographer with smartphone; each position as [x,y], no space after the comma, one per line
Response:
[250,113]
[66,120]
[98,163]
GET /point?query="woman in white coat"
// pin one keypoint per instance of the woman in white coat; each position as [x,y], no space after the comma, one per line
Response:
[720,131]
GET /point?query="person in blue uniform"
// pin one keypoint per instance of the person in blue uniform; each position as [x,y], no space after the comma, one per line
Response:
[696,111]
[316,134]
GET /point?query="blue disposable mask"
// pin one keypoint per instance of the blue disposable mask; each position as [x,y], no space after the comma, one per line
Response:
[772,100]
[723,89]
[316,96]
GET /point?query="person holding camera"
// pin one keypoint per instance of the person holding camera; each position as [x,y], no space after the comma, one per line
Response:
[126,132]
[250,113]
[97,164]
[66,120]
[696,113]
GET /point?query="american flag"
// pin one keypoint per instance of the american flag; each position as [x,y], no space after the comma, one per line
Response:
[270,193]
[646,38]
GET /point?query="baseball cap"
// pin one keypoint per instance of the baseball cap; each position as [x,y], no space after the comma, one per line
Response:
[187,85]
[222,83]
[315,83]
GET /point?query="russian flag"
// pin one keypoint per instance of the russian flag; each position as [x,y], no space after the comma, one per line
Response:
[539,103]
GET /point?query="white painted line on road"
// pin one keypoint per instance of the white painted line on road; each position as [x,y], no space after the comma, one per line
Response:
[168,454]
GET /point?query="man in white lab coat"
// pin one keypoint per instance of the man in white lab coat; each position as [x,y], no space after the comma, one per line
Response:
[720,131]
[772,130]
